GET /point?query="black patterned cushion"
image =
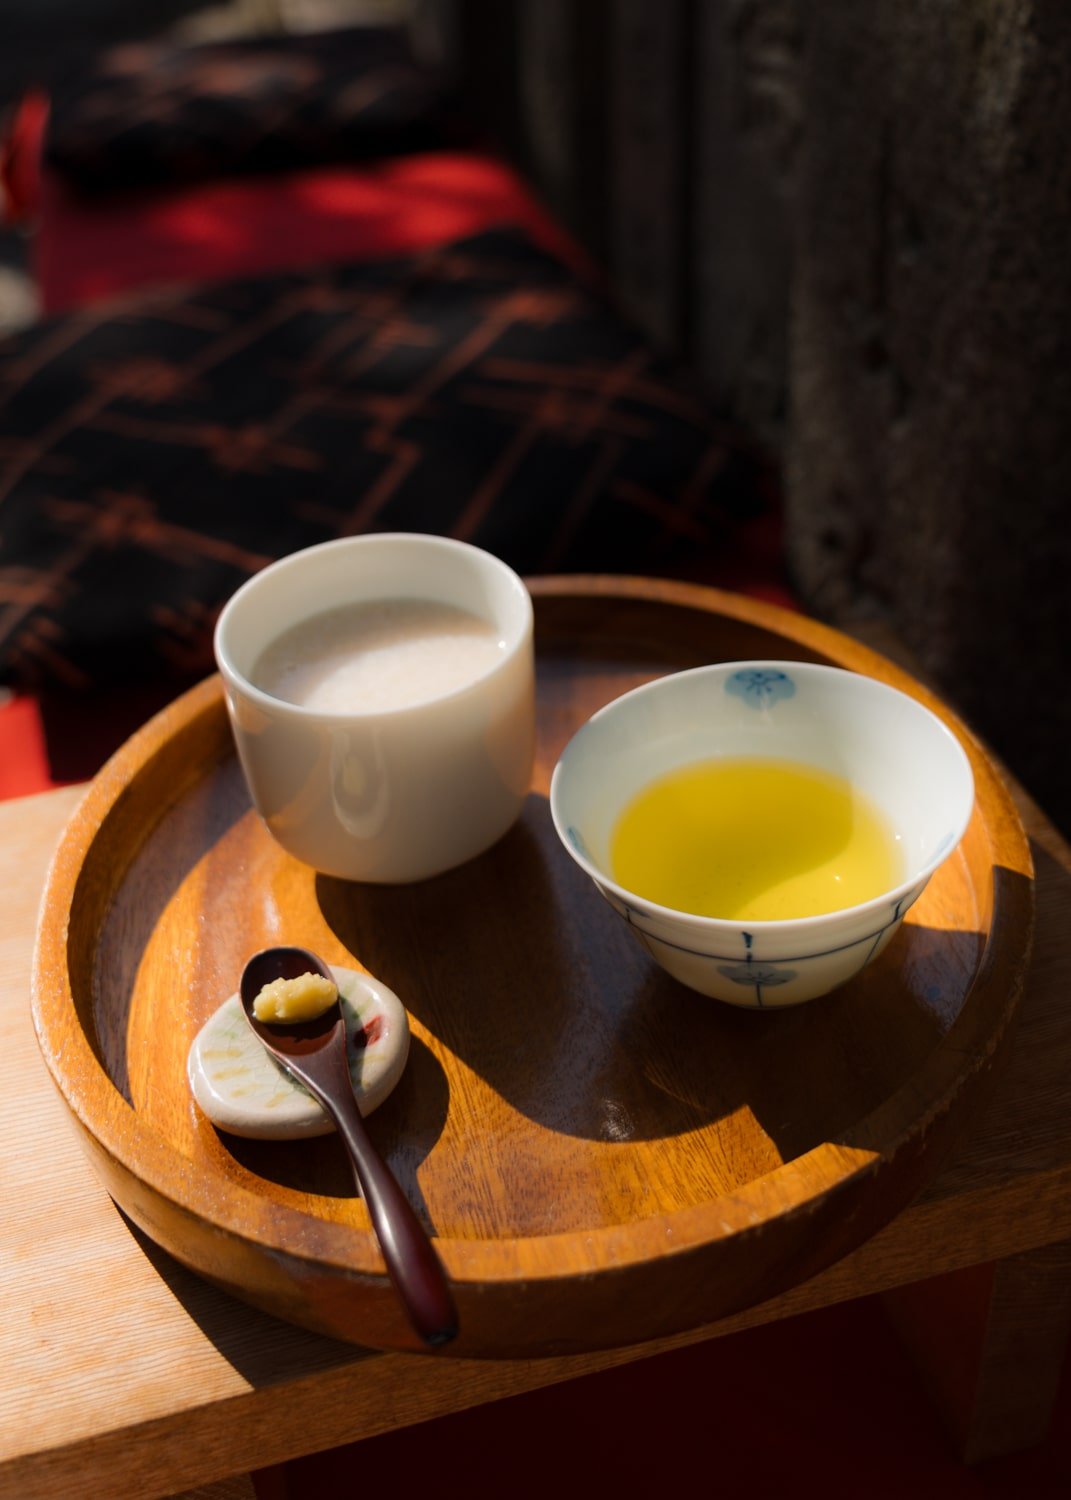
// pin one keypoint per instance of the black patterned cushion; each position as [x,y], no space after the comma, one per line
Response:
[154,456]
[148,113]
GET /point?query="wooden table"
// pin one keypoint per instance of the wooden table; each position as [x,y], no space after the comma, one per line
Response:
[121,1373]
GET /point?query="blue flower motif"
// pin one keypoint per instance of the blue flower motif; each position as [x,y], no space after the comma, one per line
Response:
[760,687]
[758,976]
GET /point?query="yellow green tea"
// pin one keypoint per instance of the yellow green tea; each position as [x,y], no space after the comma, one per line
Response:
[754,840]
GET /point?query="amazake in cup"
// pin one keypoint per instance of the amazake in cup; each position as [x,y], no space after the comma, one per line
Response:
[384,794]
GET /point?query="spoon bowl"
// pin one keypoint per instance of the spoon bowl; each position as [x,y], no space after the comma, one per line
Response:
[314,1052]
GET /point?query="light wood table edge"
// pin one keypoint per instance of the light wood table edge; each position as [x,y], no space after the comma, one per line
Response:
[376,1393]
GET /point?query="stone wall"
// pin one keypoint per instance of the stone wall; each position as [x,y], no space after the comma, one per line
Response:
[929,452]
[853,217]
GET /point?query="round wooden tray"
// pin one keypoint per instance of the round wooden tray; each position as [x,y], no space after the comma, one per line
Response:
[603,1156]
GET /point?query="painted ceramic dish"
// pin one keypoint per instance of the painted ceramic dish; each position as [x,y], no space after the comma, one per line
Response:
[881,742]
[244,1091]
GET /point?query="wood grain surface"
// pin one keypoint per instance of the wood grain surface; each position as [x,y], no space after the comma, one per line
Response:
[123,1373]
[603,1156]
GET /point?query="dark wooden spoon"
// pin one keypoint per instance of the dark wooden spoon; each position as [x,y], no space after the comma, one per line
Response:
[314,1052]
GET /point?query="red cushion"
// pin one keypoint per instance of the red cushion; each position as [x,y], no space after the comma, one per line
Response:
[56,738]
[24,766]
[20,159]
[85,249]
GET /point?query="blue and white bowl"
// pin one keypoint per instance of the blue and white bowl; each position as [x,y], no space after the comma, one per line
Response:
[891,748]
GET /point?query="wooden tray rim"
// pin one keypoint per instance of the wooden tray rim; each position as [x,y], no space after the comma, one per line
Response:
[117,1128]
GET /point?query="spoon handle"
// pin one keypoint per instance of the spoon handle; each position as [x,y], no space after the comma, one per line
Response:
[413,1265]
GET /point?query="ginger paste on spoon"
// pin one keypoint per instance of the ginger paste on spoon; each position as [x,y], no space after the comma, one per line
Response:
[290,1000]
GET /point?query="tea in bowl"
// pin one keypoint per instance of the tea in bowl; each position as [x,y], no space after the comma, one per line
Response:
[762,826]
[381,694]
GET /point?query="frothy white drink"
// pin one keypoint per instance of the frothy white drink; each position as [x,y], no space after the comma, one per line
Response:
[376,655]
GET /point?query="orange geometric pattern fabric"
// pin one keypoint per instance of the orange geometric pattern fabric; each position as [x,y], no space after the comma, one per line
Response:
[154,455]
[144,113]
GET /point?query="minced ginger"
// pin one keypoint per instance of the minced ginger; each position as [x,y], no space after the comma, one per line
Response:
[300,999]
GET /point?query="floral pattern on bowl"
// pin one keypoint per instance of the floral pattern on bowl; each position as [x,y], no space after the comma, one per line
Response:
[761,687]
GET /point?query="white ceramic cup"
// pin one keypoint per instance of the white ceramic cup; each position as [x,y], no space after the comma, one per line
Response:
[387,795]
